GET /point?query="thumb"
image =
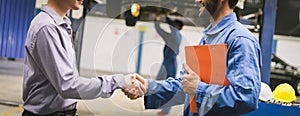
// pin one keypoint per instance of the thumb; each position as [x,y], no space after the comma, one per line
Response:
[139,78]
[187,69]
[143,81]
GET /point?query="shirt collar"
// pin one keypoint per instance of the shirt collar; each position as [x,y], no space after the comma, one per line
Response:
[57,19]
[226,21]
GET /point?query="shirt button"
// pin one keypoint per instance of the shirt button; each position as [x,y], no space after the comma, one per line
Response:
[69,31]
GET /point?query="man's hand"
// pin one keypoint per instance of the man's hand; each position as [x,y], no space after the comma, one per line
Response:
[190,81]
[142,80]
[137,88]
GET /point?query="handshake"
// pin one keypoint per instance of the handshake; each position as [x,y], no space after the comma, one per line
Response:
[136,86]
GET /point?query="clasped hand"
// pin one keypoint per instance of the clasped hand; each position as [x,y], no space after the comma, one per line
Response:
[137,87]
[190,81]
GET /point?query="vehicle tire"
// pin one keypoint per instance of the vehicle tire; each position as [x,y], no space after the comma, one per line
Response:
[297,87]
[113,8]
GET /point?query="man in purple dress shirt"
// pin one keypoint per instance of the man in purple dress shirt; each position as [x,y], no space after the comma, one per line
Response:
[51,81]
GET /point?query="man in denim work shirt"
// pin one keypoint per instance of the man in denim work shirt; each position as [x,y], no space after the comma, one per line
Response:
[172,42]
[171,49]
[51,82]
[243,70]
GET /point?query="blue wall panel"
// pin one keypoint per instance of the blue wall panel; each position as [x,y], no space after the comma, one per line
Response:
[15,18]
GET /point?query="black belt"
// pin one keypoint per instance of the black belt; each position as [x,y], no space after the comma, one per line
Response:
[58,113]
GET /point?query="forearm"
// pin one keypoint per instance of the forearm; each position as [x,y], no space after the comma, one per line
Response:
[85,88]
[160,31]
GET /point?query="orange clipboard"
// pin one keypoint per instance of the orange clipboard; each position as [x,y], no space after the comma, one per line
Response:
[209,63]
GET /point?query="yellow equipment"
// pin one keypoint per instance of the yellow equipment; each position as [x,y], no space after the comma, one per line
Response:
[284,93]
[135,10]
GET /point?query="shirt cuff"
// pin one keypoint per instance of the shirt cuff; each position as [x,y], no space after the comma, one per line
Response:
[127,80]
[120,80]
[200,92]
[116,81]
[153,86]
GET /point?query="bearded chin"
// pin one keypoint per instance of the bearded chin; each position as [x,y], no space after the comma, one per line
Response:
[212,12]
[213,8]
[206,13]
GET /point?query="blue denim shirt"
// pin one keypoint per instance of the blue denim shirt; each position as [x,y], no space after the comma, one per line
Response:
[171,49]
[243,72]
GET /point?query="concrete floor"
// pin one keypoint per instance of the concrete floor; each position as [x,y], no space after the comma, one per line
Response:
[11,91]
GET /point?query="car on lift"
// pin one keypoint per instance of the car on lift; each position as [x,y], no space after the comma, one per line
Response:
[185,10]
[282,72]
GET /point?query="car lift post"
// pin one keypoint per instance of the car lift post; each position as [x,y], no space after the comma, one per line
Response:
[266,37]
[141,29]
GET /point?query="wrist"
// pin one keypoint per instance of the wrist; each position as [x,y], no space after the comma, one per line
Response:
[146,85]
[127,80]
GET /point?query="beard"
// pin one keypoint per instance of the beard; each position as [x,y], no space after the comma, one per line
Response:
[208,9]
[211,7]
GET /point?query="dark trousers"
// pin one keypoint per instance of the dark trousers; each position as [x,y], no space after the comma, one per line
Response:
[59,113]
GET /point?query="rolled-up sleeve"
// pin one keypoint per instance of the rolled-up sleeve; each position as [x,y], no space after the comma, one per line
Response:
[55,63]
[243,73]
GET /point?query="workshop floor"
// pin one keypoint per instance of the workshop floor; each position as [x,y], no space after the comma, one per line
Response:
[11,92]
